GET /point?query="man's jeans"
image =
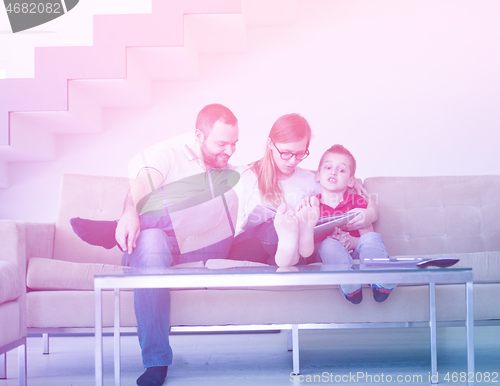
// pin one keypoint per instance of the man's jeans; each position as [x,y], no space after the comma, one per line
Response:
[157,247]
[370,245]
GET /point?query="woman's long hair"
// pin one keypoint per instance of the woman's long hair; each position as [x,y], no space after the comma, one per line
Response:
[287,128]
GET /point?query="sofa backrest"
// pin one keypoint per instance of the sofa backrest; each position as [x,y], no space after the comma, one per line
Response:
[417,215]
[433,215]
[90,197]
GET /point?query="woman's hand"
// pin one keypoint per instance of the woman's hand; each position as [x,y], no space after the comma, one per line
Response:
[359,222]
[359,188]
[365,218]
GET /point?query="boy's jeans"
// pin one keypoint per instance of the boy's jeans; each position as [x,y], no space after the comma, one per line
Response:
[157,247]
[370,245]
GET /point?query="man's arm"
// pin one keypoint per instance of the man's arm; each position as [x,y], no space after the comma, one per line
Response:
[128,228]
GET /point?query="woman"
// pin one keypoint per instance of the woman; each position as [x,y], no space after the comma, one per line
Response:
[276,181]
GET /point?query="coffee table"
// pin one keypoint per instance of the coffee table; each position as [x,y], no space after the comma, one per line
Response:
[128,278]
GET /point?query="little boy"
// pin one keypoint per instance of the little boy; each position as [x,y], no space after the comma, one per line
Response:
[336,175]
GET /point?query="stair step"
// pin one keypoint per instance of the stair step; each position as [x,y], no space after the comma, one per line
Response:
[217,33]
[72,85]
[74,29]
[29,144]
[37,94]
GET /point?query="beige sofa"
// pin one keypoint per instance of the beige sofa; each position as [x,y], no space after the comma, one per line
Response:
[13,296]
[419,216]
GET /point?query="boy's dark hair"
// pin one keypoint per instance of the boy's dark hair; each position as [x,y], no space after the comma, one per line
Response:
[211,114]
[339,149]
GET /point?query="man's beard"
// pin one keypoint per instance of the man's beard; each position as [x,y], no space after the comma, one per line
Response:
[213,160]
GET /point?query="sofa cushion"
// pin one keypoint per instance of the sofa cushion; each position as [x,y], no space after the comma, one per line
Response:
[90,197]
[50,274]
[73,309]
[437,215]
[11,286]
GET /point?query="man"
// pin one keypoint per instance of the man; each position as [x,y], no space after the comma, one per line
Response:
[168,218]
[216,135]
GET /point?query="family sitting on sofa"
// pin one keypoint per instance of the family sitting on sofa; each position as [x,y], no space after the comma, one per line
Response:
[180,192]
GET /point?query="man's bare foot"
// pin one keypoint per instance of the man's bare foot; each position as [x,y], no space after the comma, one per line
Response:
[287,228]
[308,214]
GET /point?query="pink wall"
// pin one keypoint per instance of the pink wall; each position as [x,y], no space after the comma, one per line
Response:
[410,87]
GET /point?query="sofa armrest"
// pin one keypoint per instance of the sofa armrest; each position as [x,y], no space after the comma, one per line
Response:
[19,241]
[13,244]
[13,250]
[40,240]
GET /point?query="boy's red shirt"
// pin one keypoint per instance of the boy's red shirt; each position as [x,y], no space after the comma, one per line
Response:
[349,201]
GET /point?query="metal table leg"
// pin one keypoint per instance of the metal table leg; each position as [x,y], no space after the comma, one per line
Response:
[3,366]
[432,325]
[117,348]
[295,349]
[45,338]
[98,337]
[469,325]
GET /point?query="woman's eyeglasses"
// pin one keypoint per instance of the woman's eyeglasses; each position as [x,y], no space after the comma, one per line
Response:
[299,156]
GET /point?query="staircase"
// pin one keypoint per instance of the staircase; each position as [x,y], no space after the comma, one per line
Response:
[72,84]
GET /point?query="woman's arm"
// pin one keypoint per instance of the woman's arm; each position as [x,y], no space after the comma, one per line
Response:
[367,216]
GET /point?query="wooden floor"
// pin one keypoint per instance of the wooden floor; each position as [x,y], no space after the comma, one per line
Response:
[344,356]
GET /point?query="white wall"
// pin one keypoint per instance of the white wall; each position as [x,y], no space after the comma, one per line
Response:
[410,87]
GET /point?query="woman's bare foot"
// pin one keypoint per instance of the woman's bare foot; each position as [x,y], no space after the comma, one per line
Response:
[308,214]
[287,228]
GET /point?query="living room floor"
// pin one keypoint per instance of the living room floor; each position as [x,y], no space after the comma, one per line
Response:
[336,356]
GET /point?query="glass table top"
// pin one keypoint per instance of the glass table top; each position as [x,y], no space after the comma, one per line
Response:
[273,270]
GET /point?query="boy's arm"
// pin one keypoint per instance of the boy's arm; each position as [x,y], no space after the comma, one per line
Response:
[348,241]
